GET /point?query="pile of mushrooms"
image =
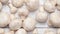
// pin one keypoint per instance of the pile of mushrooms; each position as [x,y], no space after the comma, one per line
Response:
[18,20]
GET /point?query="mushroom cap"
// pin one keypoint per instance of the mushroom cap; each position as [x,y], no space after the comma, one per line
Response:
[15,24]
[4,19]
[29,24]
[32,4]
[54,19]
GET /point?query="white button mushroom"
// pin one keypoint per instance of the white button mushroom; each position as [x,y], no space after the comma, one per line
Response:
[15,24]
[35,31]
[17,3]
[12,9]
[4,19]
[32,4]
[11,32]
[49,31]
[41,16]
[21,31]
[23,11]
[0,5]
[54,19]
[4,1]
[49,7]
[1,31]
[29,24]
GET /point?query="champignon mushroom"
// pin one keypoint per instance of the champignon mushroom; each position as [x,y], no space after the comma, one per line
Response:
[29,24]
[41,16]
[4,19]
[49,6]
[54,19]
[15,24]
[32,4]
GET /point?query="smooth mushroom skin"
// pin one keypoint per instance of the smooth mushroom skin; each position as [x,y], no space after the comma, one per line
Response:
[12,17]
[32,4]
[4,1]
[49,7]
[54,19]
[17,3]
[21,31]
[48,31]
[0,5]
[15,24]
[10,32]
[35,31]
[41,16]
[12,9]
[4,19]
[1,31]
[23,11]
[29,24]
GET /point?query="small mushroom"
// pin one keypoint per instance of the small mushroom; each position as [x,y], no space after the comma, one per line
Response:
[41,16]
[32,4]
[49,6]
[17,3]
[15,24]
[29,24]
[21,31]
[54,19]
[4,19]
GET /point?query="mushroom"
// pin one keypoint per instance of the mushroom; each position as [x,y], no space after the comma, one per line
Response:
[15,24]
[32,4]
[54,19]
[23,12]
[21,31]
[41,16]
[17,3]
[4,19]
[29,24]
[49,6]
